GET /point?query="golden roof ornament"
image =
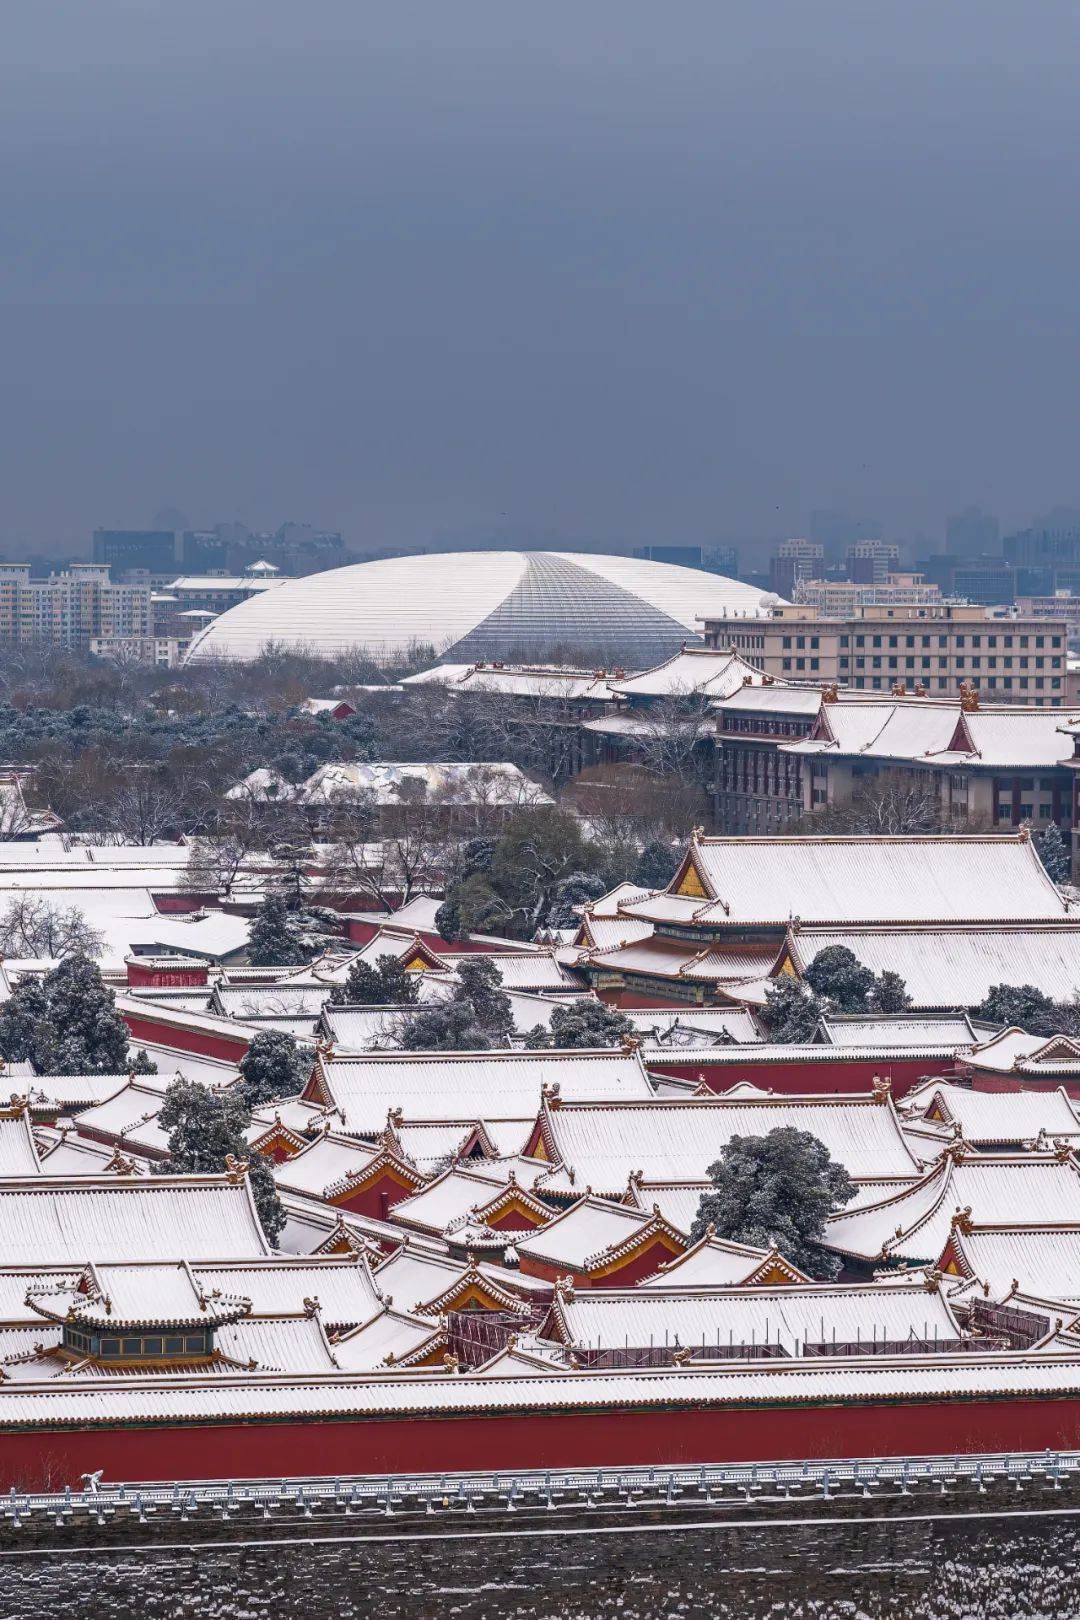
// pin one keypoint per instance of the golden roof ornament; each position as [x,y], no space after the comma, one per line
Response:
[969,698]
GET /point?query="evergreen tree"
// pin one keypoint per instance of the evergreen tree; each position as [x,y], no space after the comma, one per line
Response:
[1019,1004]
[66,1022]
[272,1067]
[141,1063]
[274,939]
[657,864]
[205,1128]
[584,1023]
[475,1018]
[889,994]
[791,1011]
[777,1189]
[481,986]
[1054,854]
[839,977]
[385,985]
[573,891]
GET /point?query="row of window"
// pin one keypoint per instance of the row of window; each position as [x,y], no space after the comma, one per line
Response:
[942,641]
[136,1346]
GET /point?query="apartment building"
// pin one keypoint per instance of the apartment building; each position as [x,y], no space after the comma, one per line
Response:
[936,648]
[72,608]
[841,598]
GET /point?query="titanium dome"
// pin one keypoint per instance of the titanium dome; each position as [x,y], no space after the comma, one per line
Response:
[468,605]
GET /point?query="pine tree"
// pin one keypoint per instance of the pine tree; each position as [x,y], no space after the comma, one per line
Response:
[837,974]
[587,1023]
[385,985]
[476,1017]
[271,1068]
[1054,854]
[273,940]
[657,864]
[890,994]
[791,1011]
[777,1189]
[142,1063]
[66,1022]
[205,1128]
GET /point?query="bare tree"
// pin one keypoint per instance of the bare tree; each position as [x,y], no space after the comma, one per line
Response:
[31,925]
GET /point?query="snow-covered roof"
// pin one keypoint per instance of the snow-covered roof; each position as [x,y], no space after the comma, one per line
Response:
[1043,1259]
[696,671]
[508,680]
[773,1382]
[695,1026]
[990,1118]
[392,1336]
[907,1030]
[291,1344]
[48,1221]
[775,698]
[956,966]
[676,1141]
[18,1153]
[943,878]
[584,1234]
[915,1223]
[448,1199]
[1014,1051]
[469,1085]
[322,1166]
[716,1322]
[282,1286]
[719,1263]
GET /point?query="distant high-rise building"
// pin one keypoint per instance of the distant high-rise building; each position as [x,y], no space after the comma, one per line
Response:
[123,549]
[838,530]
[721,560]
[680,556]
[794,560]
[972,533]
[870,562]
[203,551]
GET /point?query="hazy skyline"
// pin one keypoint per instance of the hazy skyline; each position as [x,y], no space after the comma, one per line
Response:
[612,272]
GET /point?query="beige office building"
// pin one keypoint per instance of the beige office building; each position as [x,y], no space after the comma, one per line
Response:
[934,647]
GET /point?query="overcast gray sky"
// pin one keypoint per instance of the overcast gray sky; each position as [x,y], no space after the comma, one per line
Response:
[605,270]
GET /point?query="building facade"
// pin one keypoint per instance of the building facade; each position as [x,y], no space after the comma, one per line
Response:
[843,598]
[934,647]
[72,608]
[794,560]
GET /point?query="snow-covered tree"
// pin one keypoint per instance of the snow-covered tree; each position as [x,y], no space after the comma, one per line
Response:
[791,1011]
[274,940]
[273,1066]
[1054,854]
[584,1023]
[777,1189]
[206,1128]
[66,1022]
[387,984]
[839,977]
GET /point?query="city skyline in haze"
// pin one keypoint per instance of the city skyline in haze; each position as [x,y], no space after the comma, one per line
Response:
[608,275]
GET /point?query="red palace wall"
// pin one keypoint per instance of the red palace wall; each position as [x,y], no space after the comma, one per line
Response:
[175,978]
[418,1444]
[807,1076]
[231,1048]
[989,1081]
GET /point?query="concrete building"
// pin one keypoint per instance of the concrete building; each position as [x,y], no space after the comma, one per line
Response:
[988,768]
[870,562]
[935,647]
[844,597]
[72,608]
[152,550]
[794,560]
